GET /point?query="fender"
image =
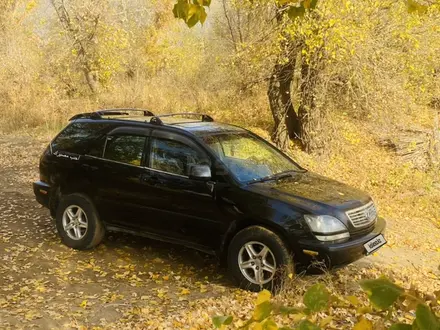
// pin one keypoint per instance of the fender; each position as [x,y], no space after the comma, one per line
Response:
[238,225]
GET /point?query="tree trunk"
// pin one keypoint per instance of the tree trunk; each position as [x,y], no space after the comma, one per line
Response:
[81,43]
[287,125]
[437,135]
[91,80]
[436,132]
[308,116]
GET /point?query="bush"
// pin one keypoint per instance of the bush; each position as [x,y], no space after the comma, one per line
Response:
[384,296]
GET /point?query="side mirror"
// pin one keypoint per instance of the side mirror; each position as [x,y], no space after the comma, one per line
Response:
[200,172]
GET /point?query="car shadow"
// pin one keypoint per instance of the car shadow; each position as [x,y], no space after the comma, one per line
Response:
[118,253]
[158,256]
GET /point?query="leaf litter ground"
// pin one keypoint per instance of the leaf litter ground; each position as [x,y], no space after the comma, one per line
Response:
[130,282]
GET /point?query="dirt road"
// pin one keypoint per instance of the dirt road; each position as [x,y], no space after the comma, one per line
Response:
[127,281]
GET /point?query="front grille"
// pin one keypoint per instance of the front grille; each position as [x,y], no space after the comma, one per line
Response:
[363,216]
[362,231]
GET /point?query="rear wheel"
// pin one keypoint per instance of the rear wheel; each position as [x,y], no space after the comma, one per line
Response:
[78,222]
[257,259]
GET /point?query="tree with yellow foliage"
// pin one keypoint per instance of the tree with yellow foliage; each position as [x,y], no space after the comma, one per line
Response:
[315,38]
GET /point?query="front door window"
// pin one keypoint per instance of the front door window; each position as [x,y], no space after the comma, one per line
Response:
[174,157]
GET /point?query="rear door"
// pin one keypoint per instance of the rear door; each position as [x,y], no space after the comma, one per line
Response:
[118,176]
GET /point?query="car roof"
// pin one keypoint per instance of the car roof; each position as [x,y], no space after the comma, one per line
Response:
[190,125]
[206,128]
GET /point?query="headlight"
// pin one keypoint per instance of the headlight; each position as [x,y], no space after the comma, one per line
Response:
[326,227]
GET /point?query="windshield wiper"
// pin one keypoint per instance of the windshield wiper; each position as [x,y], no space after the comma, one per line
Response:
[278,176]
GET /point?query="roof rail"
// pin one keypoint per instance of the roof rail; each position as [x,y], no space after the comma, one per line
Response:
[123,111]
[89,115]
[111,112]
[157,119]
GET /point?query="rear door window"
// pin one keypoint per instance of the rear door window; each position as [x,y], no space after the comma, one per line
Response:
[127,149]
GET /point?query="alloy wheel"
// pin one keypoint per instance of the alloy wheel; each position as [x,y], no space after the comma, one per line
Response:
[75,222]
[257,263]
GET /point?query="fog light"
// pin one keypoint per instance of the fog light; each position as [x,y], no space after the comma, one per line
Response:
[311,253]
[336,237]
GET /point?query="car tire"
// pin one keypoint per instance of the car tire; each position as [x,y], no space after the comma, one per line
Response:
[259,241]
[78,222]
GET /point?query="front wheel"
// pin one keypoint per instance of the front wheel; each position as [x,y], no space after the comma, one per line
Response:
[78,222]
[257,259]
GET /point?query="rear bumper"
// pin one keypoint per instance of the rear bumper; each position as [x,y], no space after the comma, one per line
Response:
[338,254]
[42,192]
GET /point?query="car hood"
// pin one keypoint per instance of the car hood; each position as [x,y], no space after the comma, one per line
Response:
[312,192]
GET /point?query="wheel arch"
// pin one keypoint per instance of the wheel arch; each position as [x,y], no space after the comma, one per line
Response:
[75,184]
[238,226]
[69,185]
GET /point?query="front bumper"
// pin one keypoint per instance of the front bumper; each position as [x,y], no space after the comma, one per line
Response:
[42,193]
[337,254]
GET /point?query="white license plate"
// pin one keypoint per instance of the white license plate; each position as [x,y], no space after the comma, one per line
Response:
[375,243]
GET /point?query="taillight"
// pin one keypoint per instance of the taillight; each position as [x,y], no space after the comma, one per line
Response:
[44,178]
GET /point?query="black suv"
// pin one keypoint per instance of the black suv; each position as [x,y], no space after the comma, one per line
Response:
[217,188]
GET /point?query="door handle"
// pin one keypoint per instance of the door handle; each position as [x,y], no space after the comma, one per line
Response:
[89,167]
[211,186]
[149,178]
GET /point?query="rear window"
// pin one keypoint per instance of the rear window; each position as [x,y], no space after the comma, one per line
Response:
[82,138]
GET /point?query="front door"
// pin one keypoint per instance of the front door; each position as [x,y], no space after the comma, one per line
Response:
[188,206]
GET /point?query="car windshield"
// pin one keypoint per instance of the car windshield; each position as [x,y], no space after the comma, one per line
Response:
[248,158]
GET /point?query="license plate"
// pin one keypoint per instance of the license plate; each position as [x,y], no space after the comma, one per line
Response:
[375,243]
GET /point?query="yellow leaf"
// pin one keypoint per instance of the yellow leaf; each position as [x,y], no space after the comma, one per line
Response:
[31,5]
[324,322]
[290,275]
[297,317]
[263,296]
[161,293]
[153,276]
[41,288]
[353,300]
[364,310]
[363,324]
[32,315]
[185,291]
[270,324]
[83,304]
[257,326]
[262,311]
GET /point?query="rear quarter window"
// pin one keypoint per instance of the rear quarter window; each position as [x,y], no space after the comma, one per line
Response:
[82,138]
